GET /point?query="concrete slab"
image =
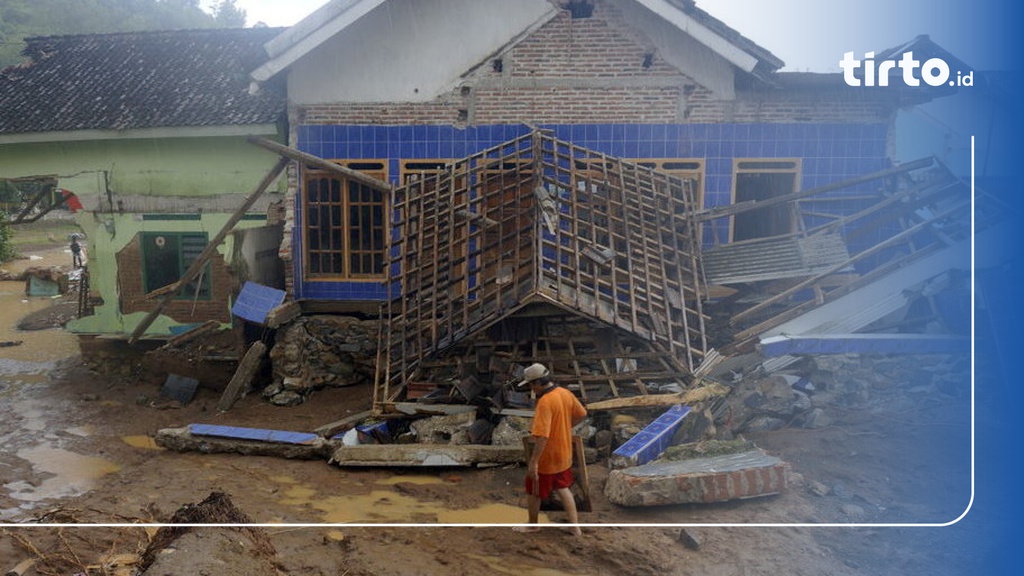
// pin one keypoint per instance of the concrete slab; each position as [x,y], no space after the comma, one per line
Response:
[182,440]
[698,480]
[426,455]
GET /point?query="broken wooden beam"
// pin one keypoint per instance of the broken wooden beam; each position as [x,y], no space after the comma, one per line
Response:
[243,377]
[304,158]
[706,392]
[192,334]
[21,568]
[333,428]
[741,207]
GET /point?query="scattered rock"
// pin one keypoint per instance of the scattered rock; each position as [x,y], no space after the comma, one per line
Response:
[448,429]
[690,538]
[853,511]
[817,488]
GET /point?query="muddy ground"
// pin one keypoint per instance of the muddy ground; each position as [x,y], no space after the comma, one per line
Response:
[76,448]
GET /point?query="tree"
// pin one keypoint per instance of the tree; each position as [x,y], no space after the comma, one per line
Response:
[228,15]
[20,19]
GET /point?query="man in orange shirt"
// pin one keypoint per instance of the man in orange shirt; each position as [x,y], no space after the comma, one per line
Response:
[549,469]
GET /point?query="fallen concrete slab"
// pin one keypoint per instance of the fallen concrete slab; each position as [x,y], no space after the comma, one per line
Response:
[698,480]
[426,455]
[184,440]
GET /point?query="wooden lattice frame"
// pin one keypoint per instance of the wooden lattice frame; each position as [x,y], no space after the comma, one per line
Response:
[542,227]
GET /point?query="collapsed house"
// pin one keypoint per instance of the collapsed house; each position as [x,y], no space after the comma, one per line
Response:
[143,136]
[621,189]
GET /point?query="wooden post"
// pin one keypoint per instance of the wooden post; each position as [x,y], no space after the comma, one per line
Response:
[200,262]
[243,376]
[582,477]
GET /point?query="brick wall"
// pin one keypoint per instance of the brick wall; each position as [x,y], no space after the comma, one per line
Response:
[132,290]
[592,71]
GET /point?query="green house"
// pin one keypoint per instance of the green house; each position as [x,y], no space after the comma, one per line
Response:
[148,130]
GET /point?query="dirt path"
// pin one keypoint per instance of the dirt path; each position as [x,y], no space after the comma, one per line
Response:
[77,449]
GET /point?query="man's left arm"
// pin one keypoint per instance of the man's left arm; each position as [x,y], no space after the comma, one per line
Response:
[578,413]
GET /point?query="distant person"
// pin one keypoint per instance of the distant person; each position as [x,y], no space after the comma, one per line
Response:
[550,466]
[76,252]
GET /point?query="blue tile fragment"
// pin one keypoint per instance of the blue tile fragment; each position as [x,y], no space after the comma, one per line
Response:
[257,434]
[650,442]
[255,301]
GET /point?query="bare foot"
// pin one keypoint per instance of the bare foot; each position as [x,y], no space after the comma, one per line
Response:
[574,530]
[526,529]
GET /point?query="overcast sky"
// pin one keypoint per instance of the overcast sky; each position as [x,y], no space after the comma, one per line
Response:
[809,35]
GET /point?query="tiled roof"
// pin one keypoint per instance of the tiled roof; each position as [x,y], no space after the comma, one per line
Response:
[137,80]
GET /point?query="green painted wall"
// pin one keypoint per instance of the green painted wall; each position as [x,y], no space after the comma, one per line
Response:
[108,235]
[168,166]
[182,167]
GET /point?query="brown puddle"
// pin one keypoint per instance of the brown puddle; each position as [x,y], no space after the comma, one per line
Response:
[72,474]
[389,507]
[141,441]
[37,346]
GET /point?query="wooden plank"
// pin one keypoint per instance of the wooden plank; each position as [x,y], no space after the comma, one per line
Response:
[582,477]
[701,394]
[243,376]
[741,207]
[202,329]
[304,158]
[579,464]
[333,428]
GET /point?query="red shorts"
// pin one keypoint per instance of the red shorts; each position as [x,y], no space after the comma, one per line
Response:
[549,482]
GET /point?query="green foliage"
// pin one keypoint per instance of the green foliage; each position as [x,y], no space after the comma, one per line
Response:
[228,15]
[20,19]
[7,251]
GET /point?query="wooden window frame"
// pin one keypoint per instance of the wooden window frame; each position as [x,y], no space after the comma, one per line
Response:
[340,233]
[187,292]
[739,168]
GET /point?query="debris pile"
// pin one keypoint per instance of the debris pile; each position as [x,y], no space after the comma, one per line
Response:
[815,393]
[318,351]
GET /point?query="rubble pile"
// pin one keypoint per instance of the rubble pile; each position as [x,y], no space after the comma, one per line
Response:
[314,352]
[813,395]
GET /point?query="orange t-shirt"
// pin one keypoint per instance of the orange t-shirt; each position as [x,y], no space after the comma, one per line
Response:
[552,419]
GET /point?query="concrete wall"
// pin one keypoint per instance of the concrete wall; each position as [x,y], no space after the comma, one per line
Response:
[186,167]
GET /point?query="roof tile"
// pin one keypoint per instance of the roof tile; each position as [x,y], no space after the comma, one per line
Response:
[138,80]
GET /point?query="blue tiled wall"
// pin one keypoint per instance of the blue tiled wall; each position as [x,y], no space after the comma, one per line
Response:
[828,153]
